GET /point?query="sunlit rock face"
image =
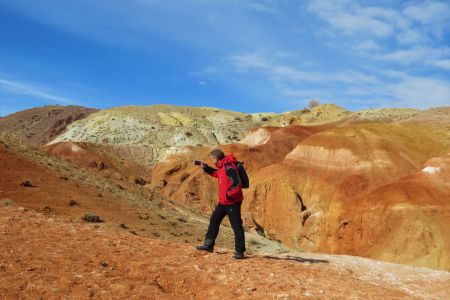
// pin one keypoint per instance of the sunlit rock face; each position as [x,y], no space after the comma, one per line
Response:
[353,189]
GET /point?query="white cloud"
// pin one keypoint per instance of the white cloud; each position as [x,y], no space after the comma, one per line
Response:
[367,46]
[421,92]
[201,24]
[261,7]
[417,24]
[407,56]
[442,63]
[410,36]
[19,88]
[249,61]
[389,88]
[279,72]
[353,19]
[435,57]
[428,12]
[403,91]
[431,19]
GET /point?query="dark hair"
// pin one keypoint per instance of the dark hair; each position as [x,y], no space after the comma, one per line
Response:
[217,153]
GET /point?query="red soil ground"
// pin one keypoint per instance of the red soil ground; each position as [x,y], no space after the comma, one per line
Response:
[49,257]
[123,204]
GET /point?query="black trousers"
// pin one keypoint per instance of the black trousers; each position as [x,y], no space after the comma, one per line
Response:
[234,215]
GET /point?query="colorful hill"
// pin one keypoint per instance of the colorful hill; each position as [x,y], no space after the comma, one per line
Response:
[40,125]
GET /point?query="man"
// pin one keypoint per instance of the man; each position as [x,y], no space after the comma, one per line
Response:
[230,200]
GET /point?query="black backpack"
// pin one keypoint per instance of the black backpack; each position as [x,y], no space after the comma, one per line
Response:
[245,183]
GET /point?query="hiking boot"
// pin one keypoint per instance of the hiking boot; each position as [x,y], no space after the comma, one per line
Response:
[239,255]
[205,248]
[208,246]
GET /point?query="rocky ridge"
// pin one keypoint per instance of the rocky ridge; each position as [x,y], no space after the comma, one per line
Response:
[40,125]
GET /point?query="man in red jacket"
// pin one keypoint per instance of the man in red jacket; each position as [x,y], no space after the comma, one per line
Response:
[230,200]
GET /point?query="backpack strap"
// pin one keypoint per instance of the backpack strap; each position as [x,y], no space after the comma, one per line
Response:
[233,174]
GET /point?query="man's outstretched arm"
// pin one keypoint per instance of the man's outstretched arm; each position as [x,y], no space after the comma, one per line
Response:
[211,171]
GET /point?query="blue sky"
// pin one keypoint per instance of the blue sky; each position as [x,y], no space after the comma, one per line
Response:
[247,56]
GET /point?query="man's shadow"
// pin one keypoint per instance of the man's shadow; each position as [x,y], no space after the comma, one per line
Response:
[298,259]
[290,257]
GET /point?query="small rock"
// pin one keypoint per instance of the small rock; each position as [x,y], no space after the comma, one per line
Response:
[27,183]
[74,203]
[102,165]
[47,209]
[92,218]
[142,217]
[140,181]
[6,202]
[104,264]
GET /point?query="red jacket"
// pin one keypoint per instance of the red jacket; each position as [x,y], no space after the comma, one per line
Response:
[230,190]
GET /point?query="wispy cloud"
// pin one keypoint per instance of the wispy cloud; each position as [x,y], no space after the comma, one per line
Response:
[19,88]
[286,72]
[267,7]
[416,55]
[352,19]
[441,63]
[372,88]
[420,92]
[435,15]
[136,23]
[416,29]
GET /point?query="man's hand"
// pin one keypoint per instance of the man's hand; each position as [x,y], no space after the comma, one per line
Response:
[203,164]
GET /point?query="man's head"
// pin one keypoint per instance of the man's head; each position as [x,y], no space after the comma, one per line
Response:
[216,155]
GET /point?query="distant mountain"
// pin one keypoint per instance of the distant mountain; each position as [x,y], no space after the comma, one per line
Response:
[150,133]
[40,125]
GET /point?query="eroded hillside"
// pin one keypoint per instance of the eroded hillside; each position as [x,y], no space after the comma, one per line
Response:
[68,186]
[147,134]
[314,189]
[40,125]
